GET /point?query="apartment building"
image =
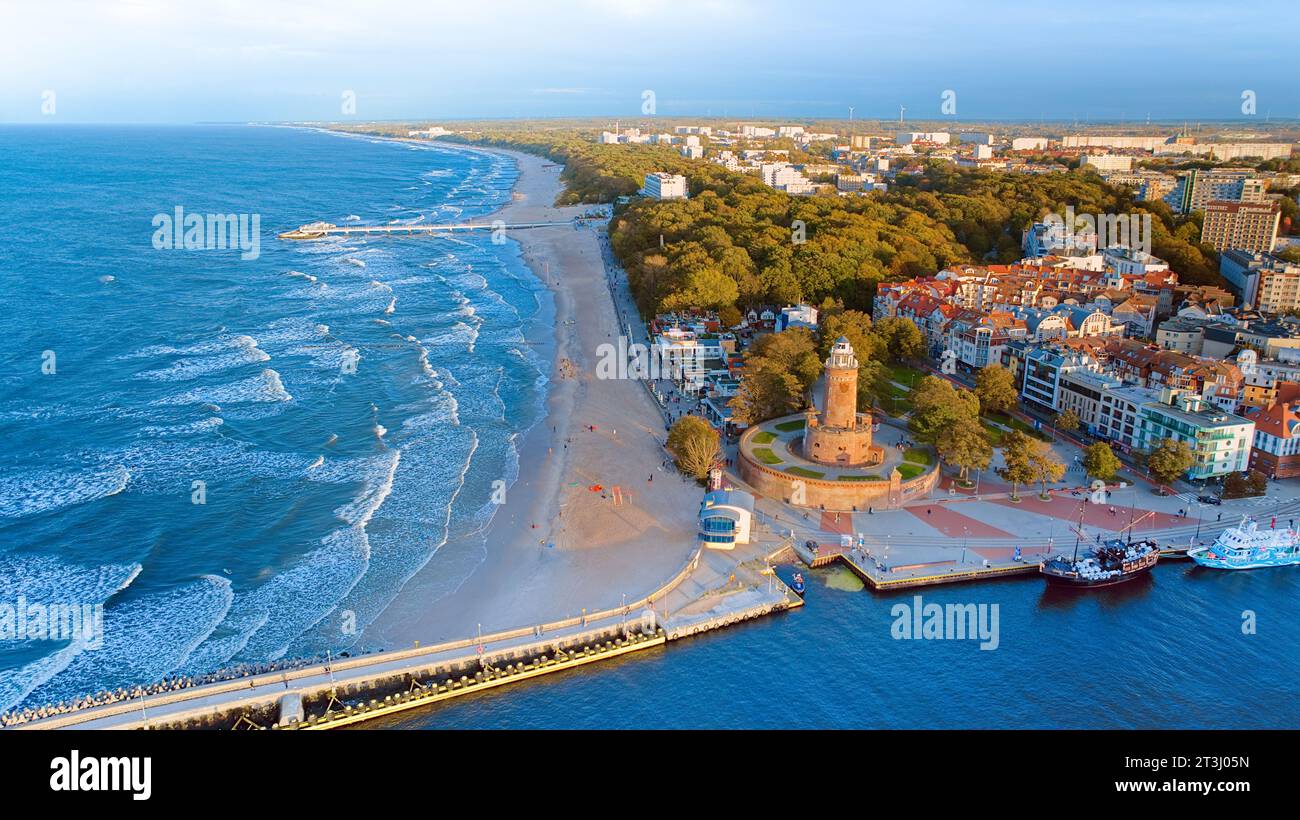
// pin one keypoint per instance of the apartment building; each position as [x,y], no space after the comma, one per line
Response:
[1220,441]
[664,186]
[1196,189]
[1261,280]
[978,339]
[1276,451]
[1103,163]
[1242,226]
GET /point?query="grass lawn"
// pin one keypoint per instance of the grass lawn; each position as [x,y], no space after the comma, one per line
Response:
[787,426]
[765,455]
[805,472]
[918,456]
[995,433]
[1017,424]
[903,374]
[907,470]
[860,478]
[896,407]
[764,437]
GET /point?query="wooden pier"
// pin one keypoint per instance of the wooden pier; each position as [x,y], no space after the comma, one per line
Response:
[320,230]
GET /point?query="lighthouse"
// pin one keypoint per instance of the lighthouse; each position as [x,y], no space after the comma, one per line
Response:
[836,433]
[840,393]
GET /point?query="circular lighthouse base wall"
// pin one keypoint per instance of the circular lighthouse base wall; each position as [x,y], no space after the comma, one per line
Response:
[848,448]
[840,496]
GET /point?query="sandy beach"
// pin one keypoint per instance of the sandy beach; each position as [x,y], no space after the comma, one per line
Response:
[556,547]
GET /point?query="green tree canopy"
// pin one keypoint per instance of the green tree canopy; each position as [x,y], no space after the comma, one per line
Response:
[695,446]
[996,389]
[936,404]
[1169,460]
[1100,461]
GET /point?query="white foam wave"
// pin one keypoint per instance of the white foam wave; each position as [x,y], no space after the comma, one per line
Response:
[144,639]
[39,491]
[264,387]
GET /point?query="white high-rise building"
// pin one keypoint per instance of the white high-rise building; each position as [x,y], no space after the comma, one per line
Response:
[1108,162]
[664,186]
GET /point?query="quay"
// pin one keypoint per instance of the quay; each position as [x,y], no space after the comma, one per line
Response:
[319,230]
[880,576]
[712,590]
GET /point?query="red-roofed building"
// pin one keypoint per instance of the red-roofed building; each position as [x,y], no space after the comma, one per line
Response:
[1276,451]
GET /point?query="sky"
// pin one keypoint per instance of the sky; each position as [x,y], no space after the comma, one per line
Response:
[151,61]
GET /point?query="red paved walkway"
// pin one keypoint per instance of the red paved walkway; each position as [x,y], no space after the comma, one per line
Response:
[1066,508]
[844,525]
[950,522]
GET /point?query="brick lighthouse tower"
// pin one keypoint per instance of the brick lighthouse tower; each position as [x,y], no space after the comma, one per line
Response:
[837,434]
[840,396]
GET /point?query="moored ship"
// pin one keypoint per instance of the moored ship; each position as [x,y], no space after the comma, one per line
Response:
[1246,546]
[1113,562]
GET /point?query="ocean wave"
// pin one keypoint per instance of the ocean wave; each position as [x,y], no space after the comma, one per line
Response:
[246,352]
[299,597]
[46,579]
[40,491]
[144,639]
[184,430]
[264,387]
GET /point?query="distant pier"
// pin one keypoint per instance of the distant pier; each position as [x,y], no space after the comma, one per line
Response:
[320,230]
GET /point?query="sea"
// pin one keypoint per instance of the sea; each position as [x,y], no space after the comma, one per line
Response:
[1183,647]
[244,460]
[242,452]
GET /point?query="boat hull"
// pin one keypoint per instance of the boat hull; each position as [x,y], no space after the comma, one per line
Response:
[1076,582]
[1222,563]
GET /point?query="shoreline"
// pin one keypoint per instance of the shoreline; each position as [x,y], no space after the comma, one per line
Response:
[531,563]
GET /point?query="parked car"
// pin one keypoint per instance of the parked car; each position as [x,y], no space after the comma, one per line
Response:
[1209,499]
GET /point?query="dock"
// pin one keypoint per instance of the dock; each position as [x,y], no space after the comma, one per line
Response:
[880,576]
[320,230]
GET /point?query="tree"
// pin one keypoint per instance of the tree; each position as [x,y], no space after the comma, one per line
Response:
[936,404]
[1257,482]
[1016,469]
[703,288]
[965,445]
[855,326]
[1235,486]
[1044,464]
[729,316]
[899,339]
[694,445]
[779,369]
[1067,420]
[1100,461]
[996,389]
[1169,460]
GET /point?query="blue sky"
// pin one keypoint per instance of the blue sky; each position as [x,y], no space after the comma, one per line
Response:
[236,60]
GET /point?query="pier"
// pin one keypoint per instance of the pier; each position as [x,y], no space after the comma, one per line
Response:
[712,590]
[320,230]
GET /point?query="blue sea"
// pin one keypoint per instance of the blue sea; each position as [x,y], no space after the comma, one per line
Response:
[1165,651]
[244,459]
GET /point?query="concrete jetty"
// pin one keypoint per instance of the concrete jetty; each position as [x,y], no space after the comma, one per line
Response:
[713,589]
